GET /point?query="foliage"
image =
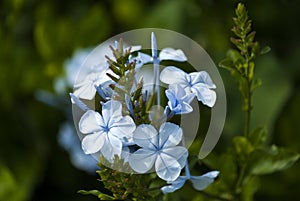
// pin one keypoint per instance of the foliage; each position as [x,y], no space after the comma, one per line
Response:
[252,155]
[38,36]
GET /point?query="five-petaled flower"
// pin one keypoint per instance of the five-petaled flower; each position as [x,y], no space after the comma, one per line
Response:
[86,89]
[145,147]
[159,148]
[106,132]
[198,83]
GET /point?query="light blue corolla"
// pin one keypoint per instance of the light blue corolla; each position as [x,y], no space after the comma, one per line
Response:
[107,132]
[159,149]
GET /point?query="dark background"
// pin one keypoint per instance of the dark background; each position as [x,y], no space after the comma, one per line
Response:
[37,37]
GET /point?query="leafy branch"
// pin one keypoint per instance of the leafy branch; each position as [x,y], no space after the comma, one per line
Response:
[251,156]
[241,60]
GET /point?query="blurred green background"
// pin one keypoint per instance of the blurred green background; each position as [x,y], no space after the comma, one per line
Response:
[37,37]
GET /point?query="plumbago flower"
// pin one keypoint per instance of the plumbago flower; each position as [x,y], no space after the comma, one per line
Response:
[124,128]
[106,132]
[199,182]
[159,148]
[179,100]
[97,78]
[198,83]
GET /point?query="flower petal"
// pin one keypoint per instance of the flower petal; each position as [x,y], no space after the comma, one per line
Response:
[111,112]
[169,135]
[185,108]
[85,91]
[172,54]
[202,77]
[153,45]
[167,168]
[173,75]
[111,147]
[123,128]
[145,135]
[201,182]
[142,160]
[178,91]
[86,88]
[141,59]
[204,94]
[175,185]
[92,143]
[179,153]
[133,48]
[90,122]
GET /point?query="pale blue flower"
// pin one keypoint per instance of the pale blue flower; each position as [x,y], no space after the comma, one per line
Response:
[198,83]
[78,102]
[159,149]
[85,89]
[179,100]
[199,182]
[106,132]
[165,54]
[104,90]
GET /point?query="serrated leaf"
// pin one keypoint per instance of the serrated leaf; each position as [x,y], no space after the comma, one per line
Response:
[272,160]
[258,136]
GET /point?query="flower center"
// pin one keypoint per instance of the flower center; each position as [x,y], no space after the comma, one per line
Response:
[105,128]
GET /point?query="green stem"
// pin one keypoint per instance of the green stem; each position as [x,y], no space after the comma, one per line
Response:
[239,181]
[247,103]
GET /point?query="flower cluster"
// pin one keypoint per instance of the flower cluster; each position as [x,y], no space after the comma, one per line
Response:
[127,125]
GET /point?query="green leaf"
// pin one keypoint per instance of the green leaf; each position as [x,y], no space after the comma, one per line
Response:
[7,183]
[272,160]
[91,192]
[250,37]
[97,193]
[227,64]
[257,83]
[243,87]
[265,50]
[258,136]
[251,71]
[242,148]
[249,189]
[235,56]
[103,196]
